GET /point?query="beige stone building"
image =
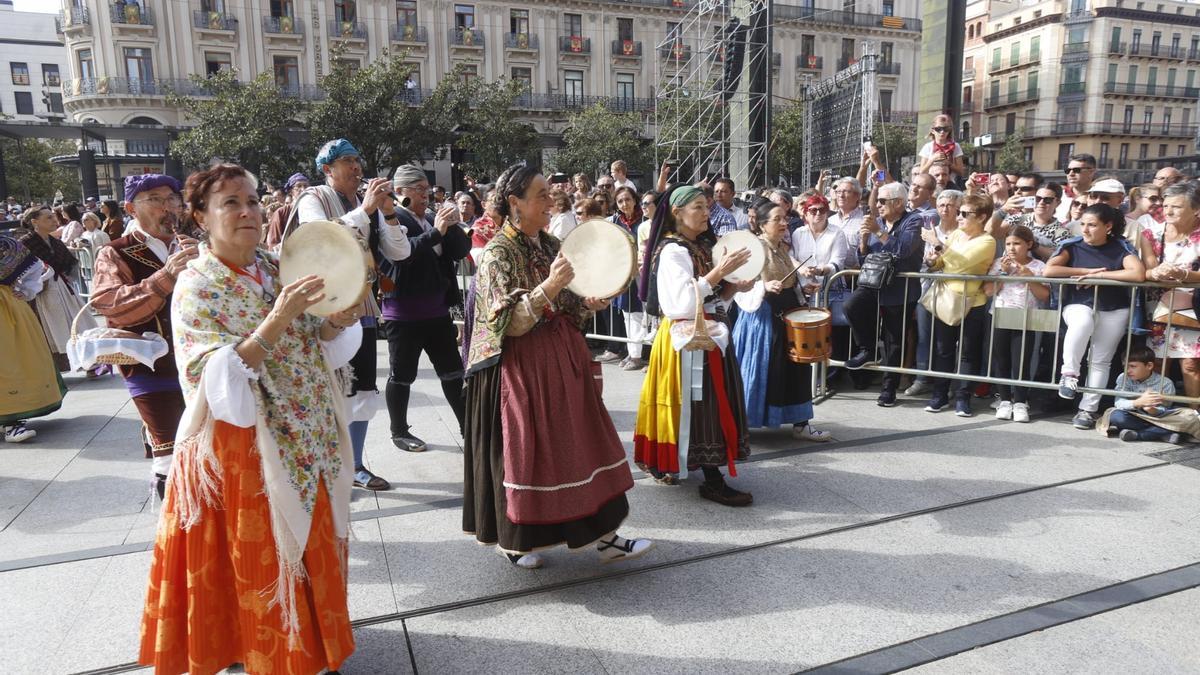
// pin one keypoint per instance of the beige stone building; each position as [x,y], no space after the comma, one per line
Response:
[1114,78]
[124,56]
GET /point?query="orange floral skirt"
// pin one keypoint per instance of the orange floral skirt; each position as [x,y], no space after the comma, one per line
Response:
[206,607]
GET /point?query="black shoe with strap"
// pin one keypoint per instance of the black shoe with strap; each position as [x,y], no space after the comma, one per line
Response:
[721,493]
[408,443]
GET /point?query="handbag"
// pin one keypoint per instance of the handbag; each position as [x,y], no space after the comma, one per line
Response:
[877,270]
[949,306]
[695,334]
[1179,304]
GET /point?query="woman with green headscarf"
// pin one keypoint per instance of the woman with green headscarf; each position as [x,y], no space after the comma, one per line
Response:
[713,429]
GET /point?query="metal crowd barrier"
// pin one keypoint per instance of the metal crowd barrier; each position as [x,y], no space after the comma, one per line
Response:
[1035,324]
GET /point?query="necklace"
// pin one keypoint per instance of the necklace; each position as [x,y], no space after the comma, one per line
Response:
[258,277]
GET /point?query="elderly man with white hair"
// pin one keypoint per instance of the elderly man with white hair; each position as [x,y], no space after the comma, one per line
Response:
[897,231]
[416,309]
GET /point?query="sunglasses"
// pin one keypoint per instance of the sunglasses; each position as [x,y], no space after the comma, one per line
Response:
[1026,188]
[965,213]
[884,200]
[815,212]
[1079,204]
[1046,200]
[648,202]
[1078,169]
[941,130]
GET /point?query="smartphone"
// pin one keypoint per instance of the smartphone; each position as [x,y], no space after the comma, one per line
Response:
[1030,202]
[867,146]
[983,178]
[880,176]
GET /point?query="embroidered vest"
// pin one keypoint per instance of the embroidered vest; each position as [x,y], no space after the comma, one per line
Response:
[142,264]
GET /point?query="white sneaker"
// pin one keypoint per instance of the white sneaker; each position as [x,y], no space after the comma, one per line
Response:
[529,561]
[18,433]
[1004,411]
[995,404]
[619,548]
[1020,412]
[808,433]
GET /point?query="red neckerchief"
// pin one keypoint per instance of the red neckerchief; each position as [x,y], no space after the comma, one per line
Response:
[947,150]
[240,271]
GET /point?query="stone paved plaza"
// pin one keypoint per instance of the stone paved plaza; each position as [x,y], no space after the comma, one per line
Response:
[921,541]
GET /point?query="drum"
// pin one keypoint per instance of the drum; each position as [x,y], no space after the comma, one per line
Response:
[810,330]
[603,256]
[331,251]
[739,239]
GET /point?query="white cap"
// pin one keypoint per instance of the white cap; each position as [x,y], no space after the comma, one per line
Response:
[1109,185]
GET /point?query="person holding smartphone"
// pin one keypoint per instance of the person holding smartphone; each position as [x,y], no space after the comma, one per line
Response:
[941,148]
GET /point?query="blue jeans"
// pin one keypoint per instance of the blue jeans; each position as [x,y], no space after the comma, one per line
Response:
[1146,431]
[924,336]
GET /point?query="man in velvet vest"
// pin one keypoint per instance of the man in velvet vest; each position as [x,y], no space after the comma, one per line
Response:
[132,282]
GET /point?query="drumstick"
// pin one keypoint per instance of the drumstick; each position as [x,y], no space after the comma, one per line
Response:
[789,274]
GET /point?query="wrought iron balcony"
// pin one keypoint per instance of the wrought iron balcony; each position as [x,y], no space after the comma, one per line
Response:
[676,51]
[212,20]
[890,68]
[76,16]
[347,30]
[844,18]
[521,41]
[1151,90]
[1068,88]
[810,62]
[282,25]
[629,48]
[407,32]
[1012,98]
[1117,47]
[466,37]
[574,44]
[131,14]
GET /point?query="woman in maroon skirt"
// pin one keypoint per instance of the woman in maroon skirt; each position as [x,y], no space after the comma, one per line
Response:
[544,465]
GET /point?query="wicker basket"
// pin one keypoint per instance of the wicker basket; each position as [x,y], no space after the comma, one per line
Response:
[117,359]
[700,340]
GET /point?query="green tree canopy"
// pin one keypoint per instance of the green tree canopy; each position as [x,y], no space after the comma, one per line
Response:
[31,177]
[373,108]
[1012,156]
[243,122]
[490,132]
[596,136]
[894,142]
[786,148]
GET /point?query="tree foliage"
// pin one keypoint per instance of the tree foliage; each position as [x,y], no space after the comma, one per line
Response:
[787,143]
[1012,156]
[596,136]
[243,122]
[32,177]
[895,141]
[490,133]
[374,109]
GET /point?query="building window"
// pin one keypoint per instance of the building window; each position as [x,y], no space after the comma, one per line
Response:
[287,72]
[1127,125]
[1065,150]
[1112,72]
[1108,111]
[1143,151]
[1032,84]
[573,85]
[464,16]
[20,73]
[624,29]
[1155,42]
[1035,48]
[625,91]
[282,8]
[215,62]
[1132,79]
[885,102]
[1175,38]
[808,46]
[1115,40]
[886,50]
[848,54]
[345,10]
[518,21]
[573,25]
[1013,83]
[1123,156]
[406,12]
[55,100]
[994,93]
[1147,120]
[966,96]
[138,65]
[996,59]
[1137,40]
[50,75]
[24,102]
[889,8]
[1104,155]
[1014,55]
[470,73]
[1179,150]
[85,64]
[1162,149]
[524,76]
[1151,78]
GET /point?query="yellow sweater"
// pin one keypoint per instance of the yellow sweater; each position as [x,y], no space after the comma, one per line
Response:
[968,256]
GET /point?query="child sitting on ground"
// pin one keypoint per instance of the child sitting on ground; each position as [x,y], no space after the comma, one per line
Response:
[1130,417]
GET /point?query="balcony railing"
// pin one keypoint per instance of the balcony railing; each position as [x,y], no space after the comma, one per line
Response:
[521,41]
[212,20]
[574,44]
[1078,15]
[675,52]
[347,30]
[1193,55]
[1133,129]
[1012,98]
[968,74]
[1175,53]
[143,147]
[466,37]
[1117,47]
[810,62]
[844,63]
[131,14]
[626,48]
[407,32]
[1151,90]
[76,16]
[282,25]
[125,86]
[891,68]
[1075,48]
[1068,88]
[533,102]
[843,18]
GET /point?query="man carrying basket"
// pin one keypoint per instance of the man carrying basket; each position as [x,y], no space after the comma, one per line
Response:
[132,283]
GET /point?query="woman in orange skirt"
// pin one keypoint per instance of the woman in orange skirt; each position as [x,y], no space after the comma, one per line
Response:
[250,558]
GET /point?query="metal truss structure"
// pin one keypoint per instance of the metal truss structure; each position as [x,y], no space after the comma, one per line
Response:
[834,108]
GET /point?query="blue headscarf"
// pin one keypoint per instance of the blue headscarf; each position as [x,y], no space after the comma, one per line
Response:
[333,151]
